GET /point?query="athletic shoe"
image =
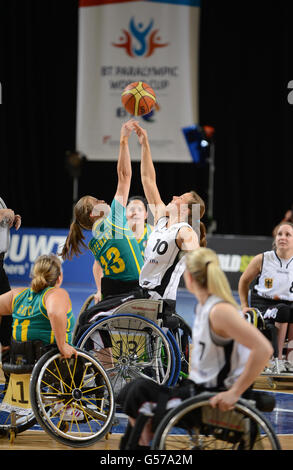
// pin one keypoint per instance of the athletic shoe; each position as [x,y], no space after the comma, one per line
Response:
[69,413]
[278,367]
[289,366]
[72,414]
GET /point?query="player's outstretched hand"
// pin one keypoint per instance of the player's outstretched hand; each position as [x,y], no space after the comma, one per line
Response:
[127,128]
[141,133]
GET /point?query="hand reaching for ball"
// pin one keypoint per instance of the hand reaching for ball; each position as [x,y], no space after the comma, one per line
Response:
[141,133]
[127,128]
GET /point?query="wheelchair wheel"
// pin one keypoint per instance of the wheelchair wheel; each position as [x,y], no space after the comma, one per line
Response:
[137,347]
[183,338]
[72,399]
[177,368]
[195,425]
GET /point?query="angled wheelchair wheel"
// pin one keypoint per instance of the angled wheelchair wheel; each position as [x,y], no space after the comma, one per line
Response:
[183,337]
[195,425]
[72,399]
[177,356]
[130,346]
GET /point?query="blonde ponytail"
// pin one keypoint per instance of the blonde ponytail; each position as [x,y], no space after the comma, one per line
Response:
[203,264]
[46,270]
[38,283]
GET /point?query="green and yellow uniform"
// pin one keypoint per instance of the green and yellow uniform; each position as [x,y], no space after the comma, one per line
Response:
[142,242]
[115,247]
[30,318]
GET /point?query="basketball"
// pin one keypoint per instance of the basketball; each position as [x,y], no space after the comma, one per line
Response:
[138,98]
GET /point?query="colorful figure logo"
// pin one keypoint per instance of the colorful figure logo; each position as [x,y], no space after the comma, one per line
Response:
[140,40]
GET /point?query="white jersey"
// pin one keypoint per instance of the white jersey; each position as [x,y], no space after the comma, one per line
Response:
[276,278]
[215,361]
[163,267]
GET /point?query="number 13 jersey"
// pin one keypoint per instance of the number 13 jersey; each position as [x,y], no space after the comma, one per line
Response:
[163,265]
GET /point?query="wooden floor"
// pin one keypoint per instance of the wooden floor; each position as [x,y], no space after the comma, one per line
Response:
[40,440]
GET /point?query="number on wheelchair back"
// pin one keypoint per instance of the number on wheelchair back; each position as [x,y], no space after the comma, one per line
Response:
[223,419]
[128,343]
[17,395]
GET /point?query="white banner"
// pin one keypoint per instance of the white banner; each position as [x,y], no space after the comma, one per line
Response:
[121,42]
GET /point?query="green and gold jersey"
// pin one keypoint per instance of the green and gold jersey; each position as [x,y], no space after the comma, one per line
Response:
[115,247]
[30,318]
[142,242]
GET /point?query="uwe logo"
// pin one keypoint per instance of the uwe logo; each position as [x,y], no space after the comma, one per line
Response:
[140,40]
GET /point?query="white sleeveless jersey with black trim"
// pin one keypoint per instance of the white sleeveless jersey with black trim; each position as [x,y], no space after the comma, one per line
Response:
[215,361]
[276,278]
[163,267]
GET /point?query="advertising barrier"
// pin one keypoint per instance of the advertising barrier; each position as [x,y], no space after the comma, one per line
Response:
[27,244]
[235,253]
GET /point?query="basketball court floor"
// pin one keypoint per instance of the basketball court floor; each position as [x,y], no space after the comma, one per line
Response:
[281,418]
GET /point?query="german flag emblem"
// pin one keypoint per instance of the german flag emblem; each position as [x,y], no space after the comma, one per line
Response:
[268,282]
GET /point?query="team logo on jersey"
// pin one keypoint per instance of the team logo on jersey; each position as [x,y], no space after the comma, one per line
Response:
[268,282]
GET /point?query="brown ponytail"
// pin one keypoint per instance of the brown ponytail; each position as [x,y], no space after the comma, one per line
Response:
[82,220]
[196,199]
[203,232]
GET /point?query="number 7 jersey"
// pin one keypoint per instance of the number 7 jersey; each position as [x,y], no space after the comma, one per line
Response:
[163,265]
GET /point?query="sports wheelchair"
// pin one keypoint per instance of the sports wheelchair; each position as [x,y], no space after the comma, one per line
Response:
[71,399]
[135,337]
[195,425]
[263,321]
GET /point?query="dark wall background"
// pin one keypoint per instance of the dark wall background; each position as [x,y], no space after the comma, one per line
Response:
[245,65]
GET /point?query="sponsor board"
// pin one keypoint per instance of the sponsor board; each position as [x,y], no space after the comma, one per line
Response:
[27,244]
[234,252]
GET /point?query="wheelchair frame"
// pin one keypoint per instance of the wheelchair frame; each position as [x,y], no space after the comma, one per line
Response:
[150,312]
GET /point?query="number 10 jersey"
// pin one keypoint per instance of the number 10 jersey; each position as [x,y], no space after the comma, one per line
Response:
[163,265]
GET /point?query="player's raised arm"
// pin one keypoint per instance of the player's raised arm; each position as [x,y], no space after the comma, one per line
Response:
[124,170]
[148,175]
